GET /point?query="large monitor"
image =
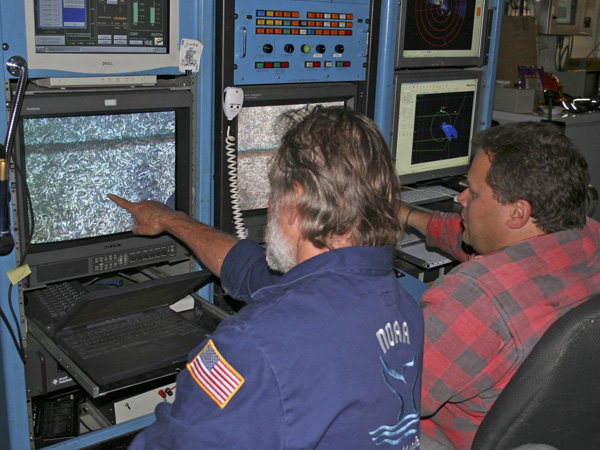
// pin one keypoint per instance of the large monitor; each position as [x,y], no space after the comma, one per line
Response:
[434,118]
[74,148]
[258,138]
[102,36]
[434,33]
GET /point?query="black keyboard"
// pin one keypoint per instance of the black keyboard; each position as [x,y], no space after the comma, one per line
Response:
[97,340]
[48,305]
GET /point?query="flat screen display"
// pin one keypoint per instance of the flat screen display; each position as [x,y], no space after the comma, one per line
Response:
[441,33]
[434,123]
[73,162]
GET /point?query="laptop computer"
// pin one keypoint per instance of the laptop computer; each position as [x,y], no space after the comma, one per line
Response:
[91,333]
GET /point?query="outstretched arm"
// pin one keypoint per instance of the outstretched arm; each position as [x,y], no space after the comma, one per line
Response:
[417,219]
[151,218]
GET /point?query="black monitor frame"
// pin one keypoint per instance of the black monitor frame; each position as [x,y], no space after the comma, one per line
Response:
[56,261]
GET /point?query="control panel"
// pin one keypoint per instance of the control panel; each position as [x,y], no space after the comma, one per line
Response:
[120,260]
[300,41]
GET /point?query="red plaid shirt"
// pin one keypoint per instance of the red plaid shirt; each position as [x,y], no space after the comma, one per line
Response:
[483,318]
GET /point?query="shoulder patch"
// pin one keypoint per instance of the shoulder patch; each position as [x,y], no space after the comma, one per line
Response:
[215,375]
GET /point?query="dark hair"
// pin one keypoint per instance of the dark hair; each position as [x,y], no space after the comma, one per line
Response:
[345,168]
[535,161]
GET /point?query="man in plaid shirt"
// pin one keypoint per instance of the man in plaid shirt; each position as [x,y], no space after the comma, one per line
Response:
[530,256]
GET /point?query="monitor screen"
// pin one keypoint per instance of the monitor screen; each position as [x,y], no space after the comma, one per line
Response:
[102,36]
[257,140]
[71,150]
[433,122]
[441,33]
[86,157]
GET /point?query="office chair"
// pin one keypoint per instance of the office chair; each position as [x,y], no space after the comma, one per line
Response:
[554,397]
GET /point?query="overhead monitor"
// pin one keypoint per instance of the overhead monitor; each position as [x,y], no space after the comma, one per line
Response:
[258,135]
[102,36]
[434,118]
[71,150]
[445,33]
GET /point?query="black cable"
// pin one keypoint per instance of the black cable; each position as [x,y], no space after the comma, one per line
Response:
[563,53]
[16,340]
[16,336]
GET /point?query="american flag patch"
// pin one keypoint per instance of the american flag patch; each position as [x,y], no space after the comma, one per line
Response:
[214,375]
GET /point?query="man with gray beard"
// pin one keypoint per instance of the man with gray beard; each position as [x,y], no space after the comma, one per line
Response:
[327,352]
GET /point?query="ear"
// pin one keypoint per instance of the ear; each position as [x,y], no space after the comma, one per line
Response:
[520,213]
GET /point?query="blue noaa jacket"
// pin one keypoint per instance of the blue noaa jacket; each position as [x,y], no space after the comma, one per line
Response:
[327,356]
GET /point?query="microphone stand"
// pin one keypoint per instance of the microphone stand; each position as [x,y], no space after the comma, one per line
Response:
[16,66]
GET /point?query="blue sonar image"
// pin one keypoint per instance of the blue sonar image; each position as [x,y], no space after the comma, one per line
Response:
[450,131]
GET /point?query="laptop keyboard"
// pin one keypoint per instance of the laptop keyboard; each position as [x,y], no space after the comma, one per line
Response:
[95,341]
[56,300]
[408,238]
[427,194]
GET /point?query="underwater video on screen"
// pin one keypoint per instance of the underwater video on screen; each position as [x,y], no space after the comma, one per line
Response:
[72,163]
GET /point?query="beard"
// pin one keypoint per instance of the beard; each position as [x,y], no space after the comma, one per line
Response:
[281,256]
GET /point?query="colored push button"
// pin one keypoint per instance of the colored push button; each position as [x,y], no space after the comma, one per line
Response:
[305,48]
[272,65]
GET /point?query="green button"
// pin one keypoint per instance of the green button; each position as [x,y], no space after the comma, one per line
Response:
[305,48]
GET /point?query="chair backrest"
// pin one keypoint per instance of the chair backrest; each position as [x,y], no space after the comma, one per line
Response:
[554,397]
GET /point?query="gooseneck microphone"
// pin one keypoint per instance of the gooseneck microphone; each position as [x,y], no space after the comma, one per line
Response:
[16,66]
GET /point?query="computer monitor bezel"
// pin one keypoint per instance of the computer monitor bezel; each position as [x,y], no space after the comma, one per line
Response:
[475,58]
[102,63]
[435,76]
[57,261]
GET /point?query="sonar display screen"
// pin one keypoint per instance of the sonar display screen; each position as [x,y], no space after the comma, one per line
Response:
[435,123]
[442,126]
[442,28]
